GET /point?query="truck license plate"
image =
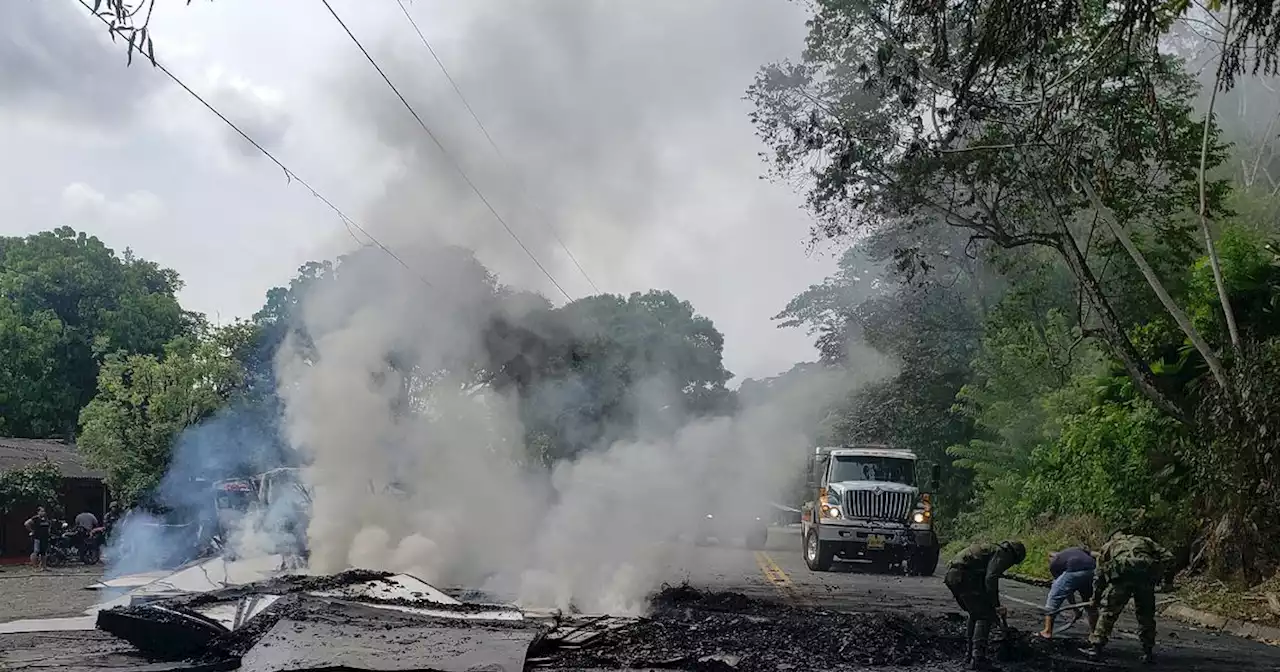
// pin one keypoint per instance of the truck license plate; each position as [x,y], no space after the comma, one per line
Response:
[875,542]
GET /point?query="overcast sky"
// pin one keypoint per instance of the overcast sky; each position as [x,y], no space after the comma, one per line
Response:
[621,124]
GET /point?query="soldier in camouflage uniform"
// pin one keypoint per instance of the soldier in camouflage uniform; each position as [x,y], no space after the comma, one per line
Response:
[1129,566]
[974,579]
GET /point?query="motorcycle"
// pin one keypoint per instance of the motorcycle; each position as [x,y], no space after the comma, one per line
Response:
[61,547]
[75,543]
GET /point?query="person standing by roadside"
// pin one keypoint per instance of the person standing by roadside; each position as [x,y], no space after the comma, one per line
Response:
[974,580]
[1129,567]
[1072,570]
[38,527]
[111,517]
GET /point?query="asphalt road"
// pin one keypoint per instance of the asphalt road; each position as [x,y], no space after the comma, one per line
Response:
[63,591]
[780,573]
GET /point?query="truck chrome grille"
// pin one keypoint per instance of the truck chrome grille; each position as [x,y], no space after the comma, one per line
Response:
[885,505]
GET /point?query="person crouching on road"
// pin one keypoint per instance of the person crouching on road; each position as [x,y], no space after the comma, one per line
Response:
[974,579]
[1072,571]
[1129,566]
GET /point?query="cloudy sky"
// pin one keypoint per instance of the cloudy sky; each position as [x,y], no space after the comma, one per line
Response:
[621,124]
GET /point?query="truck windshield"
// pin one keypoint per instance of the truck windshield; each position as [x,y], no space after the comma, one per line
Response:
[864,468]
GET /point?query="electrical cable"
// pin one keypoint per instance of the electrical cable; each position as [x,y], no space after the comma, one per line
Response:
[452,161]
[497,150]
[289,174]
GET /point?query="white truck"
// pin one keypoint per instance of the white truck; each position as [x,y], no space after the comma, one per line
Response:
[866,506]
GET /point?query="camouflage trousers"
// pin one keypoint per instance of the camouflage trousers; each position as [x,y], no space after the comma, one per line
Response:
[1112,602]
[972,596]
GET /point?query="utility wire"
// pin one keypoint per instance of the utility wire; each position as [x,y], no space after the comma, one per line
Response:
[456,89]
[289,174]
[452,161]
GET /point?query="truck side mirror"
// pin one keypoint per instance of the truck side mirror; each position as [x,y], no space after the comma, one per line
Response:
[815,473]
[935,478]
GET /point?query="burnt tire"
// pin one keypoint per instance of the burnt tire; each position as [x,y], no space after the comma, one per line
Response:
[818,556]
[757,539]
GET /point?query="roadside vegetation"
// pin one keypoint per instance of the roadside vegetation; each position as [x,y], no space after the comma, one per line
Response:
[1064,226]
[1075,264]
[95,347]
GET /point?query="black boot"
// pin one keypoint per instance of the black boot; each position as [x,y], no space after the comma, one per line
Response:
[968,642]
[1148,654]
[981,635]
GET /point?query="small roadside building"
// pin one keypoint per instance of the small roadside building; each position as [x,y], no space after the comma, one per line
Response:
[82,489]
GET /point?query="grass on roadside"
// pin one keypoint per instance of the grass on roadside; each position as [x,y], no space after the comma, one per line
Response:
[1239,602]
[1049,537]
[1198,592]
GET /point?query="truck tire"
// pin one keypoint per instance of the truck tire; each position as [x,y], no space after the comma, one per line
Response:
[758,538]
[817,555]
[925,561]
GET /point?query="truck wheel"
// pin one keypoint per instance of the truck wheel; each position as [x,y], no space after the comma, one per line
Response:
[817,555]
[925,561]
[758,538]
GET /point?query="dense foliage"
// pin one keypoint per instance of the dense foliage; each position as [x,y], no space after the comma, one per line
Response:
[145,401]
[66,301]
[1073,350]
[30,486]
[98,342]
[595,370]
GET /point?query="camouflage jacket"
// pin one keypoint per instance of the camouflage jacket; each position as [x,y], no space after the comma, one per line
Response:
[1132,558]
[984,564]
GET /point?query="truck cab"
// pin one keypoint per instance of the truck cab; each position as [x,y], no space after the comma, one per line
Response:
[866,505]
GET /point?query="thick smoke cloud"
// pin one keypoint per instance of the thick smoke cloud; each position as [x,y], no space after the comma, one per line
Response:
[180,517]
[611,118]
[414,466]
[617,121]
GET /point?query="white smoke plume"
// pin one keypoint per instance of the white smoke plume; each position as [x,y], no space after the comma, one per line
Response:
[434,479]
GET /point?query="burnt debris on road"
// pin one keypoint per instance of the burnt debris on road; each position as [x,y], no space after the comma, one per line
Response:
[363,620]
[690,629]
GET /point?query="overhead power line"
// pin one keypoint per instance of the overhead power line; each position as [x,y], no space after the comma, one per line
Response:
[452,161]
[348,222]
[458,90]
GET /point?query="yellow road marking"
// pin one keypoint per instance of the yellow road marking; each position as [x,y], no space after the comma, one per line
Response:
[778,578]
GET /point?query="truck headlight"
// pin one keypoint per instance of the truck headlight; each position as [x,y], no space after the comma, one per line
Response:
[830,512]
[919,517]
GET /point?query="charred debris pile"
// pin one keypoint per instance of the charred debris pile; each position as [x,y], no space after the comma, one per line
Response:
[377,621]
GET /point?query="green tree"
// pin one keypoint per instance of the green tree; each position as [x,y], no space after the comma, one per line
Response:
[595,370]
[607,367]
[1109,172]
[66,300]
[144,401]
[30,486]
[929,323]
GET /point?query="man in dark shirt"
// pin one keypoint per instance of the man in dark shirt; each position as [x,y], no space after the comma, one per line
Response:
[1072,570]
[38,527]
[86,521]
